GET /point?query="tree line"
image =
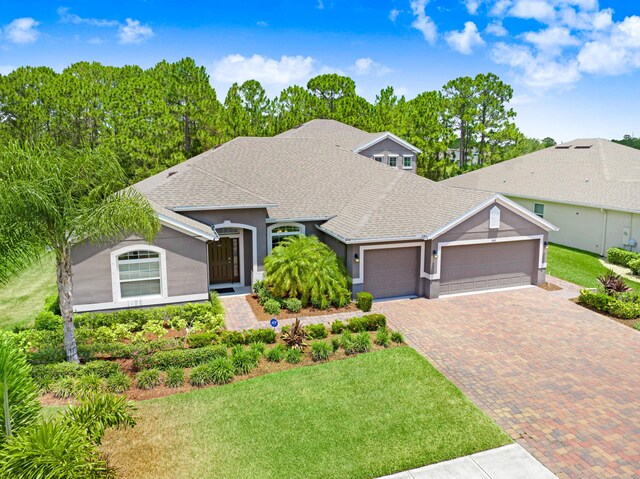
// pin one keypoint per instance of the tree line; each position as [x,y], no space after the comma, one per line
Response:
[152,119]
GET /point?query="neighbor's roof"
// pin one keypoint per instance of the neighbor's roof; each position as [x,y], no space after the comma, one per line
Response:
[309,178]
[590,171]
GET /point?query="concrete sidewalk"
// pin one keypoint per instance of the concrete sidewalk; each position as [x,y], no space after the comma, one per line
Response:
[506,462]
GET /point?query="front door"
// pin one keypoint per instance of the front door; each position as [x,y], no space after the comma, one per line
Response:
[224,261]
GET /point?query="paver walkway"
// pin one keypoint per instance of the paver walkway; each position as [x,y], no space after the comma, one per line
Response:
[239,315]
[506,462]
[560,379]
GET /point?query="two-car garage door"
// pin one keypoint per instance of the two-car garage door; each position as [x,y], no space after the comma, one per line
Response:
[488,266]
[393,272]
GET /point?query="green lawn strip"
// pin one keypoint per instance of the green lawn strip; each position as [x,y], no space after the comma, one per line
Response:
[362,417]
[577,266]
[23,297]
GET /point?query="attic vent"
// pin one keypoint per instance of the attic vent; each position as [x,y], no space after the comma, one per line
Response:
[582,147]
[171,173]
[563,147]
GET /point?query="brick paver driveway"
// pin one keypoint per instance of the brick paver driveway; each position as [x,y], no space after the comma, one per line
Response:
[561,380]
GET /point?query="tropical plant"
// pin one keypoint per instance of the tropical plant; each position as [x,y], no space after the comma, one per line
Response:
[52,197]
[294,336]
[613,283]
[362,342]
[243,360]
[272,307]
[305,268]
[221,370]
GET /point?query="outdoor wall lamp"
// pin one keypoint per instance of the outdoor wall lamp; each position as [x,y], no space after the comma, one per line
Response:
[356,258]
[435,253]
[546,243]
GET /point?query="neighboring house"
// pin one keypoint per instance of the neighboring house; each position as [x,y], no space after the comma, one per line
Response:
[398,234]
[589,188]
[454,155]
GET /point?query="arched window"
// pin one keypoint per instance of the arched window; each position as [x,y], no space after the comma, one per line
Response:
[280,231]
[139,271]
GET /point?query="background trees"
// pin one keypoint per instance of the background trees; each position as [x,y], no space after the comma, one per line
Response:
[152,119]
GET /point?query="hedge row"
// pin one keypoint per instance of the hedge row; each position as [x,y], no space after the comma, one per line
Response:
[624,258]
[181,358]
[610,304]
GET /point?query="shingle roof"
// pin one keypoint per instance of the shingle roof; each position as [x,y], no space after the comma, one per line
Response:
[310,178]
[332,132]
[605,174]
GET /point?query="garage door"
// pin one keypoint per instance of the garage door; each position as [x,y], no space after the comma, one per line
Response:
[488,266]
[392,272]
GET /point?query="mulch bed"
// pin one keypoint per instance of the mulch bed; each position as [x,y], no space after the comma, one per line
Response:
[264,367]
[260,314]
[626,322]
[549,287]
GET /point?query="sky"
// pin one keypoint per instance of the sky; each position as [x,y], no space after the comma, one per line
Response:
[574,65]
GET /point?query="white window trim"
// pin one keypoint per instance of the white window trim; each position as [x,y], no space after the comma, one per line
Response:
[115,273]
[494,218]
[410,157]
[379,158]
[254,247]
[277,225]
[534,210]
[396,158]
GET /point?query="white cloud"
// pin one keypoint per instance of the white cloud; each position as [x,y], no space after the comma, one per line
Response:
[393,14]
[466,40]
[422,22]
[66,17]
[320,5]
[500,7]
[134,32]
[614,54]
[21,31]
[496,29]
[366,66]
[285,71]
[540,10]
[472,6]
[262,23]
[552,39]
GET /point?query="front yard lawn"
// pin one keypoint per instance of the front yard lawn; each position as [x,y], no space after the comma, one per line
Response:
[577,266]
[362,417]
[22,298]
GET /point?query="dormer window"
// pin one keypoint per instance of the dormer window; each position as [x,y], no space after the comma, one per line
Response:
[378,158]
[393,161]
[407,162]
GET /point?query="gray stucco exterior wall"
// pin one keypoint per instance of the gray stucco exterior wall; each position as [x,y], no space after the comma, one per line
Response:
[388,147]
[186,266]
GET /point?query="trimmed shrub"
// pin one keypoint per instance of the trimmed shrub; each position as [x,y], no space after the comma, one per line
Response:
[174,377]
[48,321]
[397,337]
[103,369]
[316,331]
[47,355]
[636,326]
[346,341]
[216,305]
[272,307]
[221,371]
[621,256]
[276,354]
[610,304]
[320,350]
[231,338]
[148,379]
[200,376]
[634,265]
[364,301]
[335,343]
[87,384]
[64,388]
[257,349]
[337,327]
[52,304]
[292,304]
[262,335]
[383,338]
[293,356]
[368,322]
[45,374]
[243,360]
[117,383]
[200,340]
[362,343]
[181,358]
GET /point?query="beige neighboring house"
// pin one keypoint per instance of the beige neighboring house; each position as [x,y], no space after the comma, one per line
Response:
[589,188]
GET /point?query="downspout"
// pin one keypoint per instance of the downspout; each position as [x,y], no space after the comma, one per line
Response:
[604,231]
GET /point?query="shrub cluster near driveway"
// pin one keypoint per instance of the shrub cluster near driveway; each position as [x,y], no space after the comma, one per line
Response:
[610,304]
[366,416]
[624,258]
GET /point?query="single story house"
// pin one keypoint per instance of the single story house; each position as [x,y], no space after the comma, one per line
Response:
[589,188]
[399,234]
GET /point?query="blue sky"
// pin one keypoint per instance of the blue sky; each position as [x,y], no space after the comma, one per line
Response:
[574,64]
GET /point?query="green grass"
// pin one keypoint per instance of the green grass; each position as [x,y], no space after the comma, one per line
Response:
[577,266]
[23,297]
[362,417]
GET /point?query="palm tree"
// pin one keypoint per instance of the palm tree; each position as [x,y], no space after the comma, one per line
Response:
[51,197]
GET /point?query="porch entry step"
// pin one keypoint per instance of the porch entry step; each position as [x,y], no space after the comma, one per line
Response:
[224,290]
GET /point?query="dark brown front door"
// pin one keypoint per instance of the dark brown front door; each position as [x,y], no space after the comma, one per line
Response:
[223,261]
